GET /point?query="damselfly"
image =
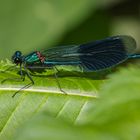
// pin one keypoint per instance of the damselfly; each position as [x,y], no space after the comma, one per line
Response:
[93,56]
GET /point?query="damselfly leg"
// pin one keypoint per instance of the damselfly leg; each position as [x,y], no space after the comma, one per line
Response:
[28,85]
[57,81]
[22,76]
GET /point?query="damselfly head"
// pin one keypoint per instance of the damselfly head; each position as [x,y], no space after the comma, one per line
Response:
[17,57]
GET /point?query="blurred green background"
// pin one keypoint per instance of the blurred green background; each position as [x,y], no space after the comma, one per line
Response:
[32,25]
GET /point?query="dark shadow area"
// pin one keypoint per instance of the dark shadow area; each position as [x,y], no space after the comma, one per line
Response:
[99,75]
[125,8]
[95,27]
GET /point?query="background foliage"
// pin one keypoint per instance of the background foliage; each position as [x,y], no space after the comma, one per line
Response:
[97,106]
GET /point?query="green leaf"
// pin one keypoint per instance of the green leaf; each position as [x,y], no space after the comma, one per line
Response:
[114,116]
[43,127]
[117,112]
[44,95]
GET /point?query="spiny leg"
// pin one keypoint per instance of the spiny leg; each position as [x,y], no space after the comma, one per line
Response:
[56,69]
[26,86]
[29,76]
[57,81]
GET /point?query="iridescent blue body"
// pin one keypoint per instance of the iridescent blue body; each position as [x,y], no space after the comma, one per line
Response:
[93,56]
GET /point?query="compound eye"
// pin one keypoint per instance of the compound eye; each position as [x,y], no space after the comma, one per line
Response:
[17,58]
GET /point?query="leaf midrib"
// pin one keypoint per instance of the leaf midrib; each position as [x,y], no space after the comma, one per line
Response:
[53,91]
